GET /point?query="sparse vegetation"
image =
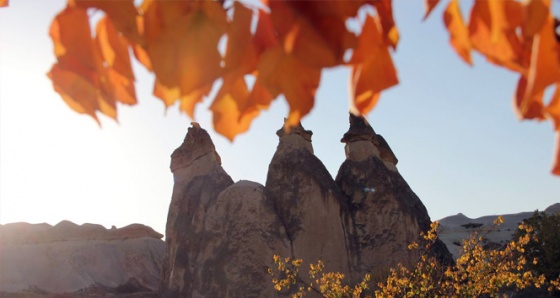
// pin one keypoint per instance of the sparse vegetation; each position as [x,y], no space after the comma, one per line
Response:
[477,272]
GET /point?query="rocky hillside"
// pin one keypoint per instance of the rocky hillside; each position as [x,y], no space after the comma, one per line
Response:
[221,235]
[86,260]
[453,229]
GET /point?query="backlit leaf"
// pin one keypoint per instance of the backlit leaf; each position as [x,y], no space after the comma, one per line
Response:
[536,15]
[122,13]
[385,12]
[228,118]
[114,52]
[78,93]
[556,162]
[298,35]
[458,33]
[543,71]
[284,73]
[183,51]
[430,5]
[373,70]
[492,31]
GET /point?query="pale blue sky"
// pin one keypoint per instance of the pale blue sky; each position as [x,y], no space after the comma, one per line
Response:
[452,126]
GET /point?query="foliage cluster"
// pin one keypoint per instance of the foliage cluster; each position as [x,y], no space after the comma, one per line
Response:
[547,248]
[477,272]
[281,47]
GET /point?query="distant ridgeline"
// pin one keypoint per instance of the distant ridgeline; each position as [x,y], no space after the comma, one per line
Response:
[221,235]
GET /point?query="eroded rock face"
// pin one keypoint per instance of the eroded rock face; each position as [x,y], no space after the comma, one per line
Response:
[199,179]
[221,236]
[308,202]
[68,258]
[386,215]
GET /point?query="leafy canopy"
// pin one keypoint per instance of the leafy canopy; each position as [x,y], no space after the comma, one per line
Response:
[282,46]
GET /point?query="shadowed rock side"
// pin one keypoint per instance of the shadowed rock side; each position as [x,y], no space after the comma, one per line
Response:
[308,202]
[221,236]
[386,215]
[199,179]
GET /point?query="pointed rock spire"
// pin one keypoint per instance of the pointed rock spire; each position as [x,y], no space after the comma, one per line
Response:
[196,144]
[359,130]
[294,138]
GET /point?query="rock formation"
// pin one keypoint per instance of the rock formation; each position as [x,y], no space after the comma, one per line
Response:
[221,236]
[70,259]
[385,213]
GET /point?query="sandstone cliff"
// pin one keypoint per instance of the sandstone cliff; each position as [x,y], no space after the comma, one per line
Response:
[221,236]
[78,260]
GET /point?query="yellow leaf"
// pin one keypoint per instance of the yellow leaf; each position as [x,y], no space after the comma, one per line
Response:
[281,72]
[430,5]
[228,118]
[458,33]
[373,70]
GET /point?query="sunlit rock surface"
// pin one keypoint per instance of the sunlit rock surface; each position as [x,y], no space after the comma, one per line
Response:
[72,259]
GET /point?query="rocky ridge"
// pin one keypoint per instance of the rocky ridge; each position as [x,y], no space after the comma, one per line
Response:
[86,260]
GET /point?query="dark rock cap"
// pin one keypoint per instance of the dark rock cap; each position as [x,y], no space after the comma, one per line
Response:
[359,130]
[297,130]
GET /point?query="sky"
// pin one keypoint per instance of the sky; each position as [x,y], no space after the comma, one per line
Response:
[452,127]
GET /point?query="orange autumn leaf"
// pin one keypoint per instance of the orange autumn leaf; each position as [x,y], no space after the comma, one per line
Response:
[492,31]
[183,52]
[228,117]
[556,162]
[298,36]
[74,77]
[388,28]
[458,33]
[535,15]
[78,93]
[189,101]
[240,55]
[373,70]
[544,70]
[282,72]
[429,6]
[122,13]
[113,49]
[168,95]
[553,109]
[265,36]
[4,3]
[328,20]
